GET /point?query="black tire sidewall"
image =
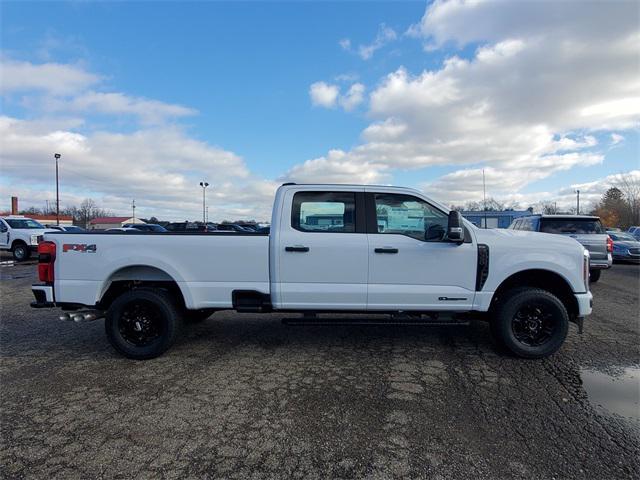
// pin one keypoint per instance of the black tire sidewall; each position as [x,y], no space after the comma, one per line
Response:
[509,307]
[594,275]
[24,247]
[169,315]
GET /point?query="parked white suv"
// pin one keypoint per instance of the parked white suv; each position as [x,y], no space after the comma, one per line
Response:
[21,235]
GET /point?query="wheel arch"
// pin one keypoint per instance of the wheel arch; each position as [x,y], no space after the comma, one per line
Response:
[136,276]
[547,280]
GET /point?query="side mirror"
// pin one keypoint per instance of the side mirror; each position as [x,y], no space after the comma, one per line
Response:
[455,230]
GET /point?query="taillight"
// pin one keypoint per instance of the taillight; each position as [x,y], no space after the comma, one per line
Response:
[609,244]
[46,258]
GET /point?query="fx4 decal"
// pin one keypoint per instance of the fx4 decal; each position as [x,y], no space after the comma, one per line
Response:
[79,247]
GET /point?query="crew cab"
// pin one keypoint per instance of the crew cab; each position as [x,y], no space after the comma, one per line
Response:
[20,235]
[331,248]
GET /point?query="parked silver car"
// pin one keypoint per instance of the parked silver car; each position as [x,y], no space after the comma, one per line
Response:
[585,229]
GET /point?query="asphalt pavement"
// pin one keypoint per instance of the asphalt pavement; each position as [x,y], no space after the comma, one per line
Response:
[246,396]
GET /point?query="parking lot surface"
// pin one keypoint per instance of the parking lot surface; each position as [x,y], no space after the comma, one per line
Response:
[246,396]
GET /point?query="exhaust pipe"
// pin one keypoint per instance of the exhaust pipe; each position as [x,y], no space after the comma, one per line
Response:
[78,317]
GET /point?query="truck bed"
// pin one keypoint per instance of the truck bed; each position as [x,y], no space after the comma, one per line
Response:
[207,267]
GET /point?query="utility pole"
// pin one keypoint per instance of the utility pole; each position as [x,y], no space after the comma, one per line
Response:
[133,210]
[57,157]
[484,199]
[578,202]
[204,186]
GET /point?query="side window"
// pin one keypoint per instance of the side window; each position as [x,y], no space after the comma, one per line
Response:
[516,225]
[332,212]
[3,227]
[411,216]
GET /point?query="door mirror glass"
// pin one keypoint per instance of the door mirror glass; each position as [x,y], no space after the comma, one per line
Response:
[455,229]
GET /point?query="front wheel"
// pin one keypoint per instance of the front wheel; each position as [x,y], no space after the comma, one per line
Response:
[531,323]
[594,275]
[143,323]
[20,252]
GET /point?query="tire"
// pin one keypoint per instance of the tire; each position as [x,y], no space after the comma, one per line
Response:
[594,275]
[197,316]
[530,323]
[143,323]
[20,251]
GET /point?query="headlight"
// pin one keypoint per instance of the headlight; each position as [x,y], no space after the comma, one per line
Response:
[34,239]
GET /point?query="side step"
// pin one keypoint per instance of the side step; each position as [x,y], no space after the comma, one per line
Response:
[339,322]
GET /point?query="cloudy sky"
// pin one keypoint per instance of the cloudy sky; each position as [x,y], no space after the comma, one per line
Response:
[145,100]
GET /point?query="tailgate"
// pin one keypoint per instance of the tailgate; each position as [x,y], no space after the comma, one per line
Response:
[596,243]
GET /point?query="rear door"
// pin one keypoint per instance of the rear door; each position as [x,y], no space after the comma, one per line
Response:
[588,231]
[322,251]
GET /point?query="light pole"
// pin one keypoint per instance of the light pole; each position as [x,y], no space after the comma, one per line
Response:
[57,157]
[577,202]
[204,186]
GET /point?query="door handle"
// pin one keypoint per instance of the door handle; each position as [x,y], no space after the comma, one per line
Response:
[386,250]
[297,248]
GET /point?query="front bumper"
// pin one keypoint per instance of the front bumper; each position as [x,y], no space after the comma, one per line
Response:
[628,257]
[585,303]
[600,264]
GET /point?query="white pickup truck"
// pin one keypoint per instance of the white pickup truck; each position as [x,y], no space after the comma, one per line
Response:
[331,248]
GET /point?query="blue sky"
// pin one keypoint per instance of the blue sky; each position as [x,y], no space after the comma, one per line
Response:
[246,71]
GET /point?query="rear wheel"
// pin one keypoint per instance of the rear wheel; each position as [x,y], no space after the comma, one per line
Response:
[531,323]
[594,275]
[20,252]
[143,323]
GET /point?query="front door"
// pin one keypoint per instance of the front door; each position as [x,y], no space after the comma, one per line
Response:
[322,252]
[411,264]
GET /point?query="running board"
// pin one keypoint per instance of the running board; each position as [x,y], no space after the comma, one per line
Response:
[318,322]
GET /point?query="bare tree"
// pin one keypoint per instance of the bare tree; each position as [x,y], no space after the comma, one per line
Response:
[629,184]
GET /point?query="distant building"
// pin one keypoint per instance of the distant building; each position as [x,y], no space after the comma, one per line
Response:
[102,223]
[494,219]
[65,220]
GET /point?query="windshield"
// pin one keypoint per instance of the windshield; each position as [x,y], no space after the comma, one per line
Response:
[571,225]
[622,237]
[23,223]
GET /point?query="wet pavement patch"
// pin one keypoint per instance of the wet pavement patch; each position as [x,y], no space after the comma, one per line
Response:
[617,393]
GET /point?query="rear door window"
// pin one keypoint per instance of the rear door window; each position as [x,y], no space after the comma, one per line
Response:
[329,212]
[571,225]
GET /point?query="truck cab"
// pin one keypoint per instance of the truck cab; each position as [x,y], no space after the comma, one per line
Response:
[330,248]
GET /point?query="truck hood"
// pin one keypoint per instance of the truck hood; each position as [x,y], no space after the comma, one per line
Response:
[527,240]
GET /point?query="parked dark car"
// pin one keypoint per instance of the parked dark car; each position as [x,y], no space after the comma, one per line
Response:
[186,227]
[146,227]
[625,247]
[635,231]
[587,230]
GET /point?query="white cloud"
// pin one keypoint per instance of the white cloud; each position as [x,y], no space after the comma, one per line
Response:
[353,97]
[324,94]
[328,95]
[148,111]
[54,78]
[55,87]
[384,36]
[161,168]
[527,103]
[616,138]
